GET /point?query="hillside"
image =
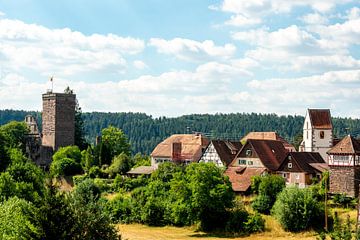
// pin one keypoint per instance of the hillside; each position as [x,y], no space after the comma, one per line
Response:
[145,131]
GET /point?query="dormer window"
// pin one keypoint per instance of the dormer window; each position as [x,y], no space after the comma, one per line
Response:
[322,134]
[289,165]
[248,152]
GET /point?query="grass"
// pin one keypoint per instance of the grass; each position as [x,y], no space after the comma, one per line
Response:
[142,232]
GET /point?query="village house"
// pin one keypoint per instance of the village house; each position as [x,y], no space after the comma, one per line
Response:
[255,158]
[220,152]
[179,148]
[344,163]
[268,136]
[302,168]
[141,170]
[317,132]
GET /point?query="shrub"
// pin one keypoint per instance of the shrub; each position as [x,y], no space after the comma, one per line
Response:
[72,152]
[94,172]
[297,209]
[120,165]
[343,200]
[255,223]
[268,187]
[236,221]
[65,167]
[119,209]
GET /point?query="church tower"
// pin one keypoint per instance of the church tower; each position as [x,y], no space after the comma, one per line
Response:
[58,120]
[317,132]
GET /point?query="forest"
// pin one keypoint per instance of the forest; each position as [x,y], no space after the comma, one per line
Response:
[145,131]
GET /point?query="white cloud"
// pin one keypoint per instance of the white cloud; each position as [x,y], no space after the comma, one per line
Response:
[354,13]
[2,14]
[63,51]
[314,19]
[191,50]
[140,65]
[242,21]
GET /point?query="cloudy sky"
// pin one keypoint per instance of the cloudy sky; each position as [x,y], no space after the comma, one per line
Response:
[169,58]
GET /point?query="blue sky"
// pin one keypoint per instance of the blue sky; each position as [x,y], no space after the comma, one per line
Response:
[180,57]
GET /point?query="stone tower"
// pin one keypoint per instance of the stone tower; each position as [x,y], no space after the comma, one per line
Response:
[58,120]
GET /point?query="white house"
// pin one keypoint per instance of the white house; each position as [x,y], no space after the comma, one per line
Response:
[220,152]
[317,132]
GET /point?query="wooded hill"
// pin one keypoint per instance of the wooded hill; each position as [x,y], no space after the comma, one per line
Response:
[145,131]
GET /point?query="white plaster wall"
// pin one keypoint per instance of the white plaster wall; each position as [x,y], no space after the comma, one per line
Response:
[307,134]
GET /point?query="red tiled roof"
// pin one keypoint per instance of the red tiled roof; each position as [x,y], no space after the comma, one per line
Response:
[270,152]
[348,145]
[268,136]
[226,150]
[191,144]
[240,178]
[320,118]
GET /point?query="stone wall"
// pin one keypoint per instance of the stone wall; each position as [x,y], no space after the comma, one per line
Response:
[58,120]
[345,180]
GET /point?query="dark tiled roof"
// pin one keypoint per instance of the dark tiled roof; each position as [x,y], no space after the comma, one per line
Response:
[320,118]
[271,152]
[348,145]
[226,150]
[303,161]
[268,136]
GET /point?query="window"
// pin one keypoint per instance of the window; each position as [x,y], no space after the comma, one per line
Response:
[289,165]
[322,134]
[297,176]
[250,162]
[248,152]
[242,162]
[307,134]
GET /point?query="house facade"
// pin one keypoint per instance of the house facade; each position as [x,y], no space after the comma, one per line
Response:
[179,148]
[317,132]
[256,157]
[220,152]
[344,163]
[302,168]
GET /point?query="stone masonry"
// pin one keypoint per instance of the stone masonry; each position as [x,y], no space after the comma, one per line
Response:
[58,120]
[345,180]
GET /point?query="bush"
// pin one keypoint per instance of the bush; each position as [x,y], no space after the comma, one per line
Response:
[236,221]
[65,167]
[343,200]
[297,209]
[255,223]
[120,165]
[119,209]
[268,187]
[95,172]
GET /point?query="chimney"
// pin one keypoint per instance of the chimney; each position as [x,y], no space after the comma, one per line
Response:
[176,151]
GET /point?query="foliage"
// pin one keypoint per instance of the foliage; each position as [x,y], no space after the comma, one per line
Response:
[343,200]
[341,231]
[65,167]
[128,184]
[120,165]
[94,172]
[19,220]
[72,152]
[268,188]
[4,158]
[119,209]
[297,209]
[202,195]
[91,220]
[88,159]
[141,160]
[14,134]
[66,162]
[115,141]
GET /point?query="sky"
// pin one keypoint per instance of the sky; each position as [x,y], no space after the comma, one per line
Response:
[171,58]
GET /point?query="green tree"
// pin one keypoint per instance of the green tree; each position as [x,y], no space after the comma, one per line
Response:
[268,188]
[206,193]
[72,152]
[121,164]
[297,209]
[115,141]
[4,158]
[88,159]
[19,220]
[14,134]
[66,162]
